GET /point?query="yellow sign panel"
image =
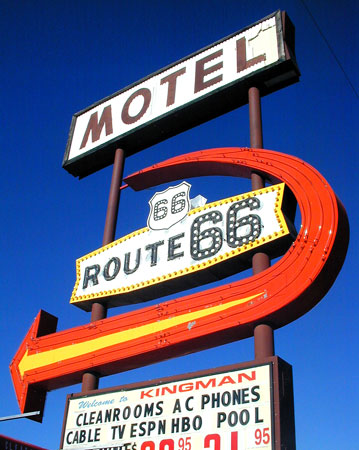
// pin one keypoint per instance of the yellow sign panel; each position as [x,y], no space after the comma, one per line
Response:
[204,242]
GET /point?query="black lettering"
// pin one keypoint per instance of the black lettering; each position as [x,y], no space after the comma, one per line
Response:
[187,406]
[244,417]
[133,431]
[76,437]
[160,212]
[162,427]
[212,236]
[126,267]
[256,415]
[216,400]
[116,414]
[177,407]
[99,417]
[205,400]
[126,412]
[82,436]
[154,251]
[245,395]
[108,415]
[159,408]
[251,221]
[137,411]
[151,427]
[175,425]
[118,431]
[221,417]
[197,423]
[256,395]
[142,431]
[94,435]
[88,276]
[68,438]
[185,424]
[78,422]
[232,419]
[148,410]
[226,398]
[92,418]
[236,397]
[116,268]
[172,246]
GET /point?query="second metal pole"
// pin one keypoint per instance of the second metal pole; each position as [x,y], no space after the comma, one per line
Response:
[263,333]
[99,310]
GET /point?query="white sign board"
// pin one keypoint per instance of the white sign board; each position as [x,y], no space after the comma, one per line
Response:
[224,411]
[169,207]
[180,244]
[135,117]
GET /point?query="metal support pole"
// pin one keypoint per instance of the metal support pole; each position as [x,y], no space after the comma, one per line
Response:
[99,311]
[263,341]
[114,197]
[263,333]
[255,118]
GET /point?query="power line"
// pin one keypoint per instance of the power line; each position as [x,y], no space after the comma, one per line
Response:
[330,49]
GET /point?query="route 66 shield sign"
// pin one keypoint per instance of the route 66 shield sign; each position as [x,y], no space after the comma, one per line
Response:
[169,207]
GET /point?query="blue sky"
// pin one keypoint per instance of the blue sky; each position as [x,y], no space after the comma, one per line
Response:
[59,57]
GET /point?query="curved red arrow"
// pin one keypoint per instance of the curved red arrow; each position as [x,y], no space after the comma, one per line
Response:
[194,322]
[305,273]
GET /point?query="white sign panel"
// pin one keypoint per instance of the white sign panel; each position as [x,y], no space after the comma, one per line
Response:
[224,411]
[185,83]
[181,244]
[169,207]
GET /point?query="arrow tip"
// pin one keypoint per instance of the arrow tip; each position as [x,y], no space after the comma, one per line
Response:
[29,396]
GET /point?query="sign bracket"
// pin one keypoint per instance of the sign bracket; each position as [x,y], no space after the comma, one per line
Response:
[20,416]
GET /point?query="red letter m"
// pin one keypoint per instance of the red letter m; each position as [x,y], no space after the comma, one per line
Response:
[95,127]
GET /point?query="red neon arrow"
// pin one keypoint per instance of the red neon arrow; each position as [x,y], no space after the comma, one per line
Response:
[55,360]
[32,397]
[213,317]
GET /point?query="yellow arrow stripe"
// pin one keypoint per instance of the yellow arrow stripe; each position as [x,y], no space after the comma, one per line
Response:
[37,360]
